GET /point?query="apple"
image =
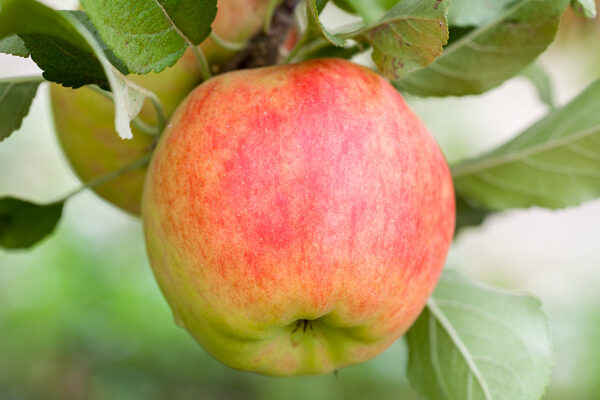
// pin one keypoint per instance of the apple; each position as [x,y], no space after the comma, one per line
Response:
[297,217]
[84,119]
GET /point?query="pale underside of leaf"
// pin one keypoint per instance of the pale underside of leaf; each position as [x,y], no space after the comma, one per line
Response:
[467,13]
[555,163]
[436,316]
[491,53]
[14,45]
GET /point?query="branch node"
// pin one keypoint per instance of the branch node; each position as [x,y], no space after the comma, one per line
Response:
[263,49]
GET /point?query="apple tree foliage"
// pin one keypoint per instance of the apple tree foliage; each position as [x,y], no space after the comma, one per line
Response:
[471,341]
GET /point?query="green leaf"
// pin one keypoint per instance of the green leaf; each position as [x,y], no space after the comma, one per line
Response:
[409,37]
[474,342]
[584,8]
[31,17]
[151,35]
[490,54]
[542,82]
[369,10]
[314,8]
[320,5]
[63,63]
[69,65]
[53,41]
[23,224]
[468,214]
[465,13]
[14,45]
[84,19]
[555,163]
[37,24]
[16,96]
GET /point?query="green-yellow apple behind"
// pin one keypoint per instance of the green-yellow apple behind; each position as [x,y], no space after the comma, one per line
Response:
[297,217]
[84,119]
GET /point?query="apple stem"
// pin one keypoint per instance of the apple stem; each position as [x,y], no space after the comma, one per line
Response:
[23,79]
[144,160]
[160,114]
[308,49]
[204,68]
[226,44]
[292,54]
[139,124]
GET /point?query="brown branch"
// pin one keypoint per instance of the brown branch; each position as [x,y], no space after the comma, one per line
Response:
[263,48]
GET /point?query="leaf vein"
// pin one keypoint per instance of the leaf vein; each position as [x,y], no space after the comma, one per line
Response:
[455,337]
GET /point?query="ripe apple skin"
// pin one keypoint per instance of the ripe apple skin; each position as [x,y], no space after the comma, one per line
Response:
[297,217]
[84,119]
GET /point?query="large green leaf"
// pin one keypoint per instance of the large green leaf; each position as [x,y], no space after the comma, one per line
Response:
[23,224]
[491,53]
[408,37]
[150,35]
[474,342]
[555,163]
[16,96]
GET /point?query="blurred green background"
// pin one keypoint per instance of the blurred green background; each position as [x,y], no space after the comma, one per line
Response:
[82,318]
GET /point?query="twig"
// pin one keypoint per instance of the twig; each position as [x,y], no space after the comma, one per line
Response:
[139,163]
[263,48]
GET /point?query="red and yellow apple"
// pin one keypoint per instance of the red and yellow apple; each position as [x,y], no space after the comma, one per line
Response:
[297,217]
[84,119]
